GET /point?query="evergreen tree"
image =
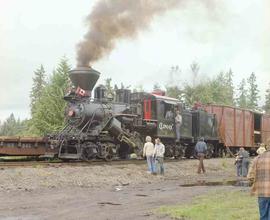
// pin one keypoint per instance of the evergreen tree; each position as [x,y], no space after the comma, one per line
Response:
[253,92]
[49,114]
[138,88]
[219,90]
[173,91]
[8,127]
[229,88]
[38,86]
[12,127]
[156,87]
[242,94]
[109,88]
[195,68]
[199,93]
[267,101]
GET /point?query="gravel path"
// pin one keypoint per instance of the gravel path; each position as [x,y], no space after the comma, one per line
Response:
[131,202]
[104,192]
[104,176]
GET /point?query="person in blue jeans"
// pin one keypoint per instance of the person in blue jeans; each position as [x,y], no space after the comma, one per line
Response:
[159,155]
[201,149]
[259,174]
[149,153]
[245,161]
[238,163]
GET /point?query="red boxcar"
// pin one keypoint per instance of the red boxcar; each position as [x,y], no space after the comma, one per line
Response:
[240,127]
[265,128]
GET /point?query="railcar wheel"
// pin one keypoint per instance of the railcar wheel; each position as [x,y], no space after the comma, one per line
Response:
[179,151]
[87,154]
[108,153]
[169,151]
[189,152]
[138,149]
[210,151]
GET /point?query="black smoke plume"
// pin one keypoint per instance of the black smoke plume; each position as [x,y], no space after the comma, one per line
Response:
[111,20]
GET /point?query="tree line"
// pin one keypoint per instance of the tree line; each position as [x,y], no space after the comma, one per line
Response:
[220,90]
[47,105]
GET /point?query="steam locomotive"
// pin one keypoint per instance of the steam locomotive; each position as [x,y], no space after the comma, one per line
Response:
[106,128]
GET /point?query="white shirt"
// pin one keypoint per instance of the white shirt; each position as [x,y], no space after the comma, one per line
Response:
[178,119]
[148,149]
[159,150]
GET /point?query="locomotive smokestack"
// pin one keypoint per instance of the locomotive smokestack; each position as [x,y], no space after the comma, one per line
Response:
[84,77]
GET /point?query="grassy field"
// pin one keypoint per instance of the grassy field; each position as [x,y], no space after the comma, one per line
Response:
[220,205]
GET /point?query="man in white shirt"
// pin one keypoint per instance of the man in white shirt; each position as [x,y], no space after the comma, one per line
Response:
[159,155]
[178,123]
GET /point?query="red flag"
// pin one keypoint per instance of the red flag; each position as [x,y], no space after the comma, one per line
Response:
[80,92]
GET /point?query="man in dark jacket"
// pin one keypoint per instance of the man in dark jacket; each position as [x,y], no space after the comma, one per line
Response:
[245,161]
[200,150]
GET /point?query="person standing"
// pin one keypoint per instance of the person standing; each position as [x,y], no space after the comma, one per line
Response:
[178,123]
[238,163]
[159,155]
[259,174]
[245,161]
[261,149]
[169,115]
[200,150]
[148,152]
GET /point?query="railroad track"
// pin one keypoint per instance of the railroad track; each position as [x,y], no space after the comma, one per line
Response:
[37,164]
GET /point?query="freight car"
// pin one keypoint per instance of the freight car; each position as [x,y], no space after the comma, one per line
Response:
[240,127]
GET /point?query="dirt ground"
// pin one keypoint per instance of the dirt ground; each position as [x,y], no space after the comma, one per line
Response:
[102,191]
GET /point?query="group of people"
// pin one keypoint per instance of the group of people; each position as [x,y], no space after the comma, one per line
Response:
[154,155]
[258,172]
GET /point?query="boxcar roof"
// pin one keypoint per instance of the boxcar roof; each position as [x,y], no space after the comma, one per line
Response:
[235,107]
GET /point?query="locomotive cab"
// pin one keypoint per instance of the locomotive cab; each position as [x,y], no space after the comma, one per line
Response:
[162,111]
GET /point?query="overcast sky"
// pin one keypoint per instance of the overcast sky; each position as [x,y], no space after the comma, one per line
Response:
[232,34]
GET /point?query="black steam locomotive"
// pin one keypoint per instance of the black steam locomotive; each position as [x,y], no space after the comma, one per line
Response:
[100,127]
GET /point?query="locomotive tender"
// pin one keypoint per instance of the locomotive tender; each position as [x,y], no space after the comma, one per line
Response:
[106,128]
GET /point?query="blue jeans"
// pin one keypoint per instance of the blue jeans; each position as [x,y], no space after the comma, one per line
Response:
[159,165]
[245,163]
[239,168]
[264,207]
[151,164]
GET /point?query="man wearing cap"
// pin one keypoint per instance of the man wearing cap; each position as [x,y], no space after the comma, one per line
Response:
[200,150]
[259,174]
